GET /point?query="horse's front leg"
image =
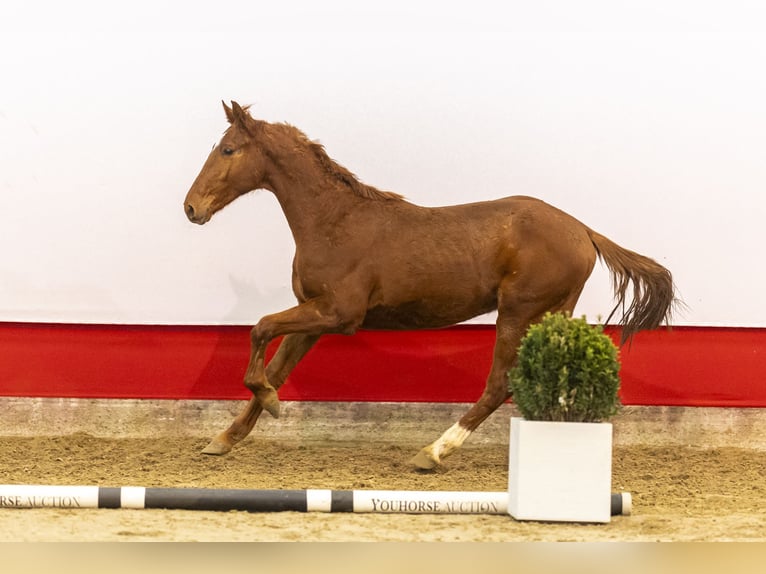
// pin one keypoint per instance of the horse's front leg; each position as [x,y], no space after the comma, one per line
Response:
[291,350]
[302,326]
[255,376]
[313,317]
[264,397]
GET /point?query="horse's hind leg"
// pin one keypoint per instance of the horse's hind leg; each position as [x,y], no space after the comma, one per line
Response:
[291,350]
[511,327]
[509,335]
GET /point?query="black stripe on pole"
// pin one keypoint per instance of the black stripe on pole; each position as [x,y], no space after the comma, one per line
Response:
[109,497]
[226,499]
[342,501]
[616,502]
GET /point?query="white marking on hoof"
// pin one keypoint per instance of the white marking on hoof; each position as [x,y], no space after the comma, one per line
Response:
[452,439]
[432,455]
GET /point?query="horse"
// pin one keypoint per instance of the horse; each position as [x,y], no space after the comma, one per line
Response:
[369,259]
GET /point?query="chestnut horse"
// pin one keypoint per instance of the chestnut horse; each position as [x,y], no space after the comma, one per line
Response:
[368,259]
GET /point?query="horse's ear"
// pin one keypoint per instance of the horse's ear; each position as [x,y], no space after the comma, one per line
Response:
[242,118]
[229,112]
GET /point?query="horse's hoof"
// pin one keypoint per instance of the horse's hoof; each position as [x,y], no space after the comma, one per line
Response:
[425,460]
[216,448]
[270,402]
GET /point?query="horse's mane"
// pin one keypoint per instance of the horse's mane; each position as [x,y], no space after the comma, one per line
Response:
[335,170]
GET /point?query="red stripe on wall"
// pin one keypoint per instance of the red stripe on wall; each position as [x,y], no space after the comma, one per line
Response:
[686,366]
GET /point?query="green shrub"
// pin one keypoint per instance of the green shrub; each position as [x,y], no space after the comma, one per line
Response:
[567,370]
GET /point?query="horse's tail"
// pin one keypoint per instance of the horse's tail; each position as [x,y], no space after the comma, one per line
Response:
[653,291]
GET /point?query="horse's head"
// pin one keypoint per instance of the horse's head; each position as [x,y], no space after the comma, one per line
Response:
[234,167]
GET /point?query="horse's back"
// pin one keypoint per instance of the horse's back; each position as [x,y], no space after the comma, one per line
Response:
[492,236]
[439,266]
[509,227]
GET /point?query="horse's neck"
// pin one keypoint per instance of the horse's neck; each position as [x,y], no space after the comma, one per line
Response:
[311,199]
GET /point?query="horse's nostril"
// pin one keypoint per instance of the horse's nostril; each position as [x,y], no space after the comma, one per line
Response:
[189,211]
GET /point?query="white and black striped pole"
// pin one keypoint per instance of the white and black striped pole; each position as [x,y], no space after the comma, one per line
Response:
[310,500]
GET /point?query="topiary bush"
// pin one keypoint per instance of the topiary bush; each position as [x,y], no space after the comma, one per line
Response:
[567,370]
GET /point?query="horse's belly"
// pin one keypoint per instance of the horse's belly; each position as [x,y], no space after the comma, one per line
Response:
[423,315]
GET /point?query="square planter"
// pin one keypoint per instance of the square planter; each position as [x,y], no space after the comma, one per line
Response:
[560,471]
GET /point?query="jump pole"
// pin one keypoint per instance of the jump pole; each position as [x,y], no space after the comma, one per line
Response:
[310,500]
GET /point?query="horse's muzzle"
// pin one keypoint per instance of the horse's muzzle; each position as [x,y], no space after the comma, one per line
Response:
[194,215]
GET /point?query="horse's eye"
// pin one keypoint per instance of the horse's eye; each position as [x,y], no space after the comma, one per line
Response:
[227,151]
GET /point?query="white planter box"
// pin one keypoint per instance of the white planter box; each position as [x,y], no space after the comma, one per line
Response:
[560,472]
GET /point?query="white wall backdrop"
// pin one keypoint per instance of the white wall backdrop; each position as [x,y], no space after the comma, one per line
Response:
[646,120]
